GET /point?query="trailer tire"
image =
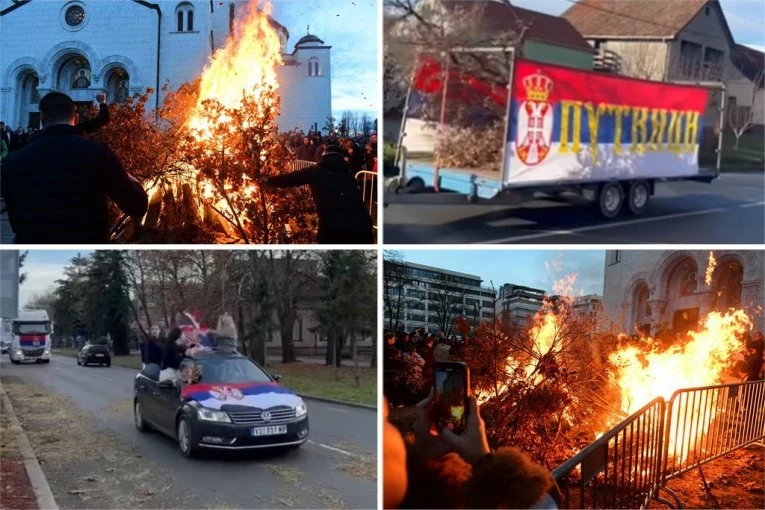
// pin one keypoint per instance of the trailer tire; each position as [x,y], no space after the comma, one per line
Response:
[416,185]
[638,196]
[610,199]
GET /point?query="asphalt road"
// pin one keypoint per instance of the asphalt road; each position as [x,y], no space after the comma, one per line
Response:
[341,436]
[729,210]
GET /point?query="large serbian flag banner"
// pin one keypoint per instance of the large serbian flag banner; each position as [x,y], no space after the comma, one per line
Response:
[572,125]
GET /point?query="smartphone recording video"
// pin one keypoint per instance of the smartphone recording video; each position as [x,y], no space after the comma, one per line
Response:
[451,393]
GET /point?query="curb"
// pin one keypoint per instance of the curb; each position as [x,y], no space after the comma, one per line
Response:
[45,499]
[338,402]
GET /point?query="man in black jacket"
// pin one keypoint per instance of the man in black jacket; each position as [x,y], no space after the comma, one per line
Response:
[57,189]
[343,218]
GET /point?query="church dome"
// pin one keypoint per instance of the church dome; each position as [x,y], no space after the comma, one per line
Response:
[307,39]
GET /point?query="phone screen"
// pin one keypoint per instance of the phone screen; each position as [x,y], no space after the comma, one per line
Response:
[451,396]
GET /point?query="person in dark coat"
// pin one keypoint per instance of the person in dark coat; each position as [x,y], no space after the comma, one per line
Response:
[305,150]
[343,217]
[88,126]
[58,188]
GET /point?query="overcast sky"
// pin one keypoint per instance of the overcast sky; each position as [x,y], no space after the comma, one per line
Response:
[43,268]
[350,27]
[746,18]
[521,267]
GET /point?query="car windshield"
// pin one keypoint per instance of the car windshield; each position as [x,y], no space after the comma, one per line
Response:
[31,328]
[216,369]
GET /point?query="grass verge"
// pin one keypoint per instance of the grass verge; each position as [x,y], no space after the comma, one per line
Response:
[329,382]
[304,378]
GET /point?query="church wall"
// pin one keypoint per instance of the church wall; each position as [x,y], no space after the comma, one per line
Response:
[184,54]
[655,266]
[305,99]
[33,35]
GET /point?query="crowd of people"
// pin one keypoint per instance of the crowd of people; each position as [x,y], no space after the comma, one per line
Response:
[409,359]
[77,178]
[14,140]
[359,152]
[162,355]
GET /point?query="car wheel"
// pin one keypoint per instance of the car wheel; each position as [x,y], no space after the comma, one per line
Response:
[140,424]
[186,441]
[46,361]
[610,199]
[108,363]
[637,200]
[15,361]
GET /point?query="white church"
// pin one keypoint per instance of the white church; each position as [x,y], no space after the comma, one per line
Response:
[123,47]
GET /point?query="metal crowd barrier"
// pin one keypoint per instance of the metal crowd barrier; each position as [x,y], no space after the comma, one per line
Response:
[300,164]
[369,191]
[708,422]
[622,468]
[631,463]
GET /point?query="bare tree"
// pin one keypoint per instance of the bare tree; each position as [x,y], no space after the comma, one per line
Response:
[395,279]
[446,303]
[741,117]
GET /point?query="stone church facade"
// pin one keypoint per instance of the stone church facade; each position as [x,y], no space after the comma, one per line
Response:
[652,291]
[123,47]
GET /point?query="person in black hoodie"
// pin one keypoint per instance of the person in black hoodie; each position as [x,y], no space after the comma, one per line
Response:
[57,189]
[343,217]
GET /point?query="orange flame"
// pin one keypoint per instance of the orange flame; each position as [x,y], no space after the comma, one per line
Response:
[647,372]
[247,63]
[711,263]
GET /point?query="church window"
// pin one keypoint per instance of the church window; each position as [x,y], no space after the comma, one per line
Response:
[185,13]
[75,15]
[313,67]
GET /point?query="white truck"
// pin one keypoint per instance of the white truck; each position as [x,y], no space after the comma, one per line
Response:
[30,340]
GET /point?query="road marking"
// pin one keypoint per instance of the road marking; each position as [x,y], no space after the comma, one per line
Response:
[338,450]
[339,410]
[755,204]
[608,225]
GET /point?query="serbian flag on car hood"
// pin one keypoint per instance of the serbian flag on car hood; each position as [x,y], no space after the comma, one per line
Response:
[260,395]
[429,79]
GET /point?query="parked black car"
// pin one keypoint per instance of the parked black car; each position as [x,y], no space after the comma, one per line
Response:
[236,405]
[94,353]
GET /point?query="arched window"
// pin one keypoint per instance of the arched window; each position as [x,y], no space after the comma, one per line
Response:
[185,12]
[313,67]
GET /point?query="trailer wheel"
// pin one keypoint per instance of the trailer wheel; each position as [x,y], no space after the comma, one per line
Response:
[416,185]
[610,199]
[639,193]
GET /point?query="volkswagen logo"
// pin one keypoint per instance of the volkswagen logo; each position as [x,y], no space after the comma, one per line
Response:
[266,416]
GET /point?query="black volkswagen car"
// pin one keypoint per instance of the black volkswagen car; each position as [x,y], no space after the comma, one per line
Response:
[235,405]
[94,354]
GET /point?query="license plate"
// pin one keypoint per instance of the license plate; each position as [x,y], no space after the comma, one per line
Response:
[269,431]
[99,355]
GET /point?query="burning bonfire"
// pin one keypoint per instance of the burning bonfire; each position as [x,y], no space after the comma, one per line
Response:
[562,376]
[215,140]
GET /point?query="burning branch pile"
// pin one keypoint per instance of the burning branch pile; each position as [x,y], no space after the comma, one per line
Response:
[201,163]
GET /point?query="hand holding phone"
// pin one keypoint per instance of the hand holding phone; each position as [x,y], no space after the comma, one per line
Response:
[472,444]
[452,387]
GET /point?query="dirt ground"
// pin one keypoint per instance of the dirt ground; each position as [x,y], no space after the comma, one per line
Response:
[85,466]
[15,488]
[735,481]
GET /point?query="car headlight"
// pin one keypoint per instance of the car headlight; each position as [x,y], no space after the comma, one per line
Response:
[47,351]
[301,410]
[19,352]
[213,415]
